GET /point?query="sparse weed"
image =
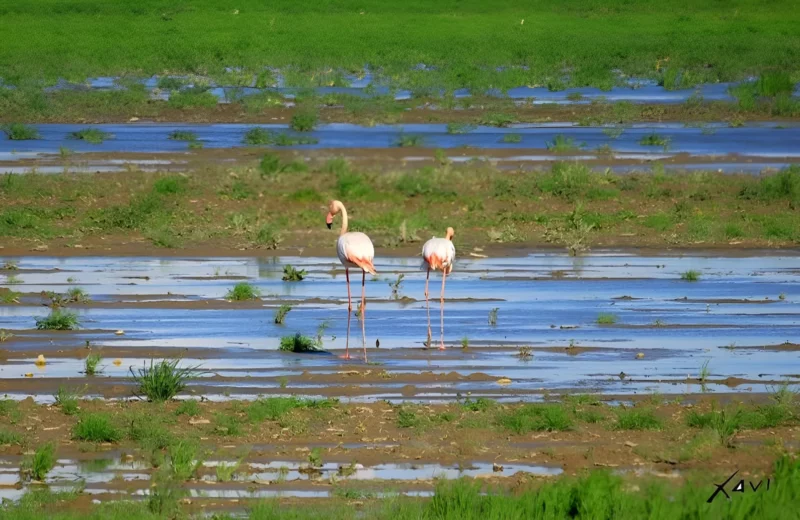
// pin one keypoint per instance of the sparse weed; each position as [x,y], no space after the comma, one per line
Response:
[560,143]
[183,135]
[281,312]
[690,276]
[20,132]
[493,316]
[243,291]
[190,407]
[655,140]
[96,427]
[58,320]
[67,400]
[512,138]
[395,286]
[606,319]
[406,141]
[298,343]
[290,274]
[162,381]
[91,363]
[39,465]
[637,419]
[524,352]
[91,135]
[535,417]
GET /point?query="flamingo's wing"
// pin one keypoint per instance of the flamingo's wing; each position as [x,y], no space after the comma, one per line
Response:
[358,249]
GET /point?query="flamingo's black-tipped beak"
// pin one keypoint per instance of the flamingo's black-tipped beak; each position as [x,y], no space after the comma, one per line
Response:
[328,224]
[329,220]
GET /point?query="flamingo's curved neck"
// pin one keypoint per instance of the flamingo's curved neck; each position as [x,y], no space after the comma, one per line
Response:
[344,218]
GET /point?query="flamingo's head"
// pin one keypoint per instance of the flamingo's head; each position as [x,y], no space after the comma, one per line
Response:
[450,233]
[333,209]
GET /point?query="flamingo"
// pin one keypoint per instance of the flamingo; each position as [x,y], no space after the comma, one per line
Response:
[354,250]
[438,253]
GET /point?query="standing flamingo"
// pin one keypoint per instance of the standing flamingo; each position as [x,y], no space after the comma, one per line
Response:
[438,253]
[355,250]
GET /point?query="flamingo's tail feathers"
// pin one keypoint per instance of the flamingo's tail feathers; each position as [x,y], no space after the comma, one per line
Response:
[434,262]
[366,265]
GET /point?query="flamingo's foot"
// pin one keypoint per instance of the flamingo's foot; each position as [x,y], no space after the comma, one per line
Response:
[441,347]
[346,356]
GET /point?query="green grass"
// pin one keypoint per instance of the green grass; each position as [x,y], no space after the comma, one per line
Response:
[407,140]
[183,135]
[499,120]
[91,364]
[535,418]
[170,185]
[58,320]
[67,400]
[243,291]
[465,42]
[560,143]
[96,427]
[193,98]
[41,462]
[655,140]
[281,312]
[512,138]
[162,381]
[184,459]
[290,274]
[7,296]
[20,132]
[690,276]
[459,128]
[190,407]
[91,135]
[149,432]
[304,120]
[637,419]
[274,408]
[298,343]
[258,136]
[606,319]
[8,437]
[77,295]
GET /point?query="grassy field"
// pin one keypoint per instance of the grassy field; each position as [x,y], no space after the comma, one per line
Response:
[704,441]
[280,203]
[544,42]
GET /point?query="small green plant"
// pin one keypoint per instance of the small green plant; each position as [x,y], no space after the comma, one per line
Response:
[321,333]
[8,296]
[290,274]
[39,465]
[226,472]
[190,407]
[534,417]
[704,372]
[525,352]
[67,400]
[185,460]
[258,136]
[395,286]
[465,342]
[460,128]
[58,320]
[405,140]
[243,291]
[91,135]
[170,185]
[606,319]
[77,295]
[162,381]
[654,139]
[493,316]
[9,437]
[13,279]
[637,419]
[64,152]
[5,335]
[298,343]
[91,363]
[281,312]
[315,457]
[690,276]
[20,132]
[304,120]
[561,143]
[96,427]
[183,135]
[512,138]
[480,404]
[407,418]
[574,96]
[497,119]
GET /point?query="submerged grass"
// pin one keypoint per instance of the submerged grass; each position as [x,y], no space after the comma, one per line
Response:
[242,292]
[164,380]
[91,135]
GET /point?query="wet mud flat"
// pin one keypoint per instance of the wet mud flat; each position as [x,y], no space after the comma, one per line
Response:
[516,328]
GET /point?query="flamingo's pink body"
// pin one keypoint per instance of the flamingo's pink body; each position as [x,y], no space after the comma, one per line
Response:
[355,251]
[438,254]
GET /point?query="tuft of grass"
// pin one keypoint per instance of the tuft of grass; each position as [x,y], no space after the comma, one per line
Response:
[190,407]
[162,381]
[405,140]
[58,320]
[304,120]
[690,276]
[96,427]
[281,312]
[184,460]
[258,136]
[395,286]
[20,132]
[499,120]
[290,274]
[274,408]
[243,291]
[704,371]
[535,417]
[493,316]
[67,400]
[525,353]
[460,128]
[7,296]
[170,185]
[39,465]
[655,139]
[561,143]
[606,319]
[465,342]
[512,138]
[637,419]
[91,364]
[227,472]
[9,437]
[91,135]
[183,135]
[480,404]
[77,295]
[315,457]
[298,343]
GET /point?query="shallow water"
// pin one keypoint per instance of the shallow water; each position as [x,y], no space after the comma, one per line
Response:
[543,300]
